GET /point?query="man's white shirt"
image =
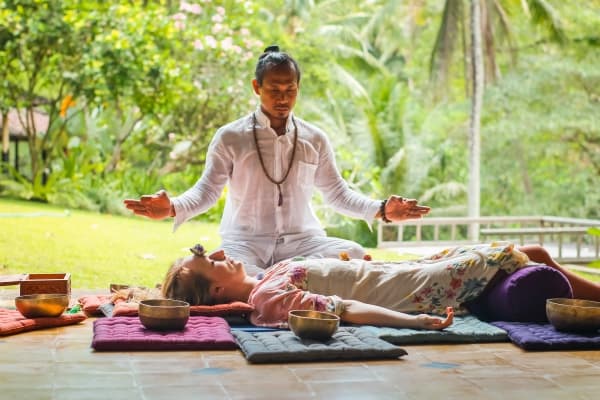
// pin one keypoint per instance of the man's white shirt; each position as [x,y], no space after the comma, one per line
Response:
[251,208]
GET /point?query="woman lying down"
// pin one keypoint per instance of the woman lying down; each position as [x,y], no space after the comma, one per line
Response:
[360,292]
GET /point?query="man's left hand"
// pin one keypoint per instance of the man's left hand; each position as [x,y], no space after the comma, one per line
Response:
[399,209]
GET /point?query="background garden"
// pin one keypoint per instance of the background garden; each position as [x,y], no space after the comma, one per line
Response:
[119,99]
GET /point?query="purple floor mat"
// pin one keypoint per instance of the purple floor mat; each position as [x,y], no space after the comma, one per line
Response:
[530,336]
[127,333]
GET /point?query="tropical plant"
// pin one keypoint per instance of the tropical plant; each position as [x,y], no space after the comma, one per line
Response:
[496,29]
[152,80]
[64,56]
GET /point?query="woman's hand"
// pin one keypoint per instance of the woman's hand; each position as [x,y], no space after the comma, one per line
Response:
[425,321]
[155,206]
[399,209]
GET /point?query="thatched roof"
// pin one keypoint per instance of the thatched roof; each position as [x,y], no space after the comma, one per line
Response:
[16,129]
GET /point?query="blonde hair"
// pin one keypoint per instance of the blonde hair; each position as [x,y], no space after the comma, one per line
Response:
[188,287]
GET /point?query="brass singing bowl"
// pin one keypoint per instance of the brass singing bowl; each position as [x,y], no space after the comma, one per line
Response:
[164,314]
[317,325]
[573,315]
[42,305]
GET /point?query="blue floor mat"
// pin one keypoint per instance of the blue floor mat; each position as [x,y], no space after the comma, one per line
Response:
[465,329]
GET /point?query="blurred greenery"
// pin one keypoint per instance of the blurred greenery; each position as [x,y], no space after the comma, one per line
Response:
[134,91]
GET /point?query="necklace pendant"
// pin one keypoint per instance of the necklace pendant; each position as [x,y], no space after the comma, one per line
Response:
[280,202]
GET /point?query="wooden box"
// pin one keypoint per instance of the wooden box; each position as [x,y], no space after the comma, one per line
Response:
[59,283]
[46,283]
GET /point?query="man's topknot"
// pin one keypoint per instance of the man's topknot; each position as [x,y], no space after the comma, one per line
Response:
[273,57]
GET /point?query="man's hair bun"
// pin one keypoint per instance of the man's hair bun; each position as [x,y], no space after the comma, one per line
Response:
[272,49]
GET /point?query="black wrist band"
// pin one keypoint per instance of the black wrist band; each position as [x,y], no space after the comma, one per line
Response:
[382,212]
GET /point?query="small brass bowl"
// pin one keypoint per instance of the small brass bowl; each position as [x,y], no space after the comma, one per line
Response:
[164,314]
[317,325]
[573,315]
[42,305]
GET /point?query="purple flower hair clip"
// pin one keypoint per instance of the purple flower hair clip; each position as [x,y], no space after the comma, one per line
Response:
[198,250]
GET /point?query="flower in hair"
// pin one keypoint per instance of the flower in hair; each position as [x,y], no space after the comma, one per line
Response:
[198,250]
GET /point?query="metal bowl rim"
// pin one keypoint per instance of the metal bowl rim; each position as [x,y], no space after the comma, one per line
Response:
[176,303]
[331,316]
[42,296]
[566,302]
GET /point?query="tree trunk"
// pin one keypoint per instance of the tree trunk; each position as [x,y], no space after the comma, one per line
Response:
[475,119]
[124,132]
[34,147]
[465,53]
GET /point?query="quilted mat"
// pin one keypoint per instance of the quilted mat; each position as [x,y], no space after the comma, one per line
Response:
[128,333]
[530,336]
[465,329]
[348,343]
[12,322]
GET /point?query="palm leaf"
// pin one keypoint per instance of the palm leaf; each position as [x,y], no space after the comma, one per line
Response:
[504,26]
[351,83]
[446,190]
[445,42]
[542,13]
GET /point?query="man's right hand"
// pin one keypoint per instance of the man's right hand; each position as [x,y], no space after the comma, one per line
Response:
[155,206]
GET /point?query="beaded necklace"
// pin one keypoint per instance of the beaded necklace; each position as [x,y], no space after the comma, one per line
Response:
[262,163]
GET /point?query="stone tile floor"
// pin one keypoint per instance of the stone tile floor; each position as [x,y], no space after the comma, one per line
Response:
[58,363]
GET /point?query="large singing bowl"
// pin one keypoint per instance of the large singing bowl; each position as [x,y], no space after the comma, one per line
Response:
[42,305]
[573,315]
[164,314]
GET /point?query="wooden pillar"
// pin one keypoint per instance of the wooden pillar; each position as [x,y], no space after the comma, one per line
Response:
[17,155]
[45,173]
[5,141]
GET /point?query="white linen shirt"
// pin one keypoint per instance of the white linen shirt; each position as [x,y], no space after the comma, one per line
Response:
[251,212]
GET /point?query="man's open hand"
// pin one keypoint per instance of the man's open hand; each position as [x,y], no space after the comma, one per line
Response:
[399,209]
[155,206]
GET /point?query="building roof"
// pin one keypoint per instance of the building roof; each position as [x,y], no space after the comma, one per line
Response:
[16,128]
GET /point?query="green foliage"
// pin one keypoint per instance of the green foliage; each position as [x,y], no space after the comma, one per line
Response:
[150,82]
[595,232]
[148,85]
[554,163]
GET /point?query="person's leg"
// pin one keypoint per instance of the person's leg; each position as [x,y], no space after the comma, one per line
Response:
[582,288]
[247,253]
[319,247]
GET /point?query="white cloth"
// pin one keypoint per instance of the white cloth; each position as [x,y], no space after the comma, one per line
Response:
[251,213]
[256,257]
